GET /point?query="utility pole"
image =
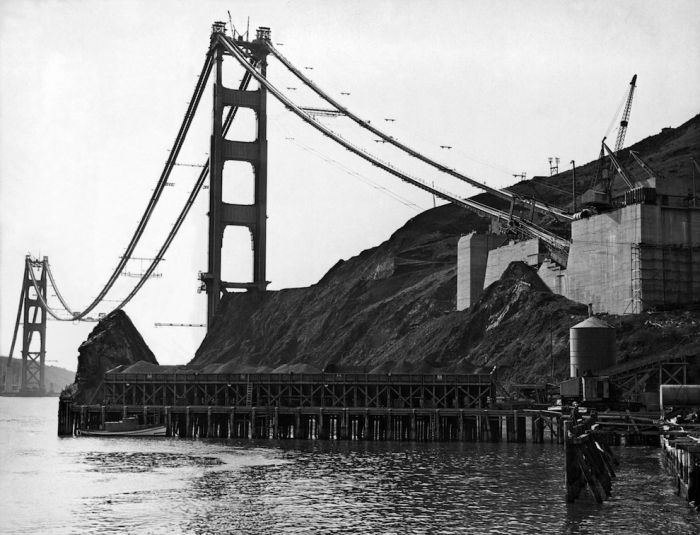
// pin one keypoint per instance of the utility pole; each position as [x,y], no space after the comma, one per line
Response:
[553,165]
[695,166]
[521,175]
[551,347]
[573,185]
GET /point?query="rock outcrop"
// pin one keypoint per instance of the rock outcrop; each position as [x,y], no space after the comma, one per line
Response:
[113,342]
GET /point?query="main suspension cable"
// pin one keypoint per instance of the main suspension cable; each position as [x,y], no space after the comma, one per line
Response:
[155,197]
[188,204]
[549,238]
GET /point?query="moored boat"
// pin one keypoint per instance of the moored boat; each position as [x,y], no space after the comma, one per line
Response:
[128,427]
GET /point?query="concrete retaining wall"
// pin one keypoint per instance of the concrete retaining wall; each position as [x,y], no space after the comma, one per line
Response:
[599,270]
[529,251]
[472,253]
[627,260]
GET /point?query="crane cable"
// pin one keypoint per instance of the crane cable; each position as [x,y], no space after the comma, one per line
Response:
[506,195]
[155,197]
[550,238]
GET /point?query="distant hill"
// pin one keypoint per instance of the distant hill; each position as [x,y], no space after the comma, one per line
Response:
[56,378]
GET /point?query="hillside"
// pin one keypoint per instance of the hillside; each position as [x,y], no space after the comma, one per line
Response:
[392,307]
[56,378]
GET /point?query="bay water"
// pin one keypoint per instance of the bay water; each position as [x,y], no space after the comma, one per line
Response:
[89,485]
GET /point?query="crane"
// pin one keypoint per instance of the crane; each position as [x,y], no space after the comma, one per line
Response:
[622,131]
[625,116]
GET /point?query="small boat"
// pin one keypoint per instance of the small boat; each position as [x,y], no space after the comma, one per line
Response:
[128,427]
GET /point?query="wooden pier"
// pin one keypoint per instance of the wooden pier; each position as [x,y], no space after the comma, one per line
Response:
[682,456]
[314,406]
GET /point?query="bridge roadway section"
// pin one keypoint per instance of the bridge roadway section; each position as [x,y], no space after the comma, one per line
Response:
[447,407]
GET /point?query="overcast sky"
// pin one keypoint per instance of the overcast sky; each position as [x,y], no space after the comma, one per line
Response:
[92,94]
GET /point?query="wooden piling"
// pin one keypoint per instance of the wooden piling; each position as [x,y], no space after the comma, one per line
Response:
[587,463]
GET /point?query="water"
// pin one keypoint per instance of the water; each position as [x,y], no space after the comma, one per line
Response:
[168,486]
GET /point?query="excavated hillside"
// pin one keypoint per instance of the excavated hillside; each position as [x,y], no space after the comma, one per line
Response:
[392,307]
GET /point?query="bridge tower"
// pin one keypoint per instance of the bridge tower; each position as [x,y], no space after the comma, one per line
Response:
[222,214]
[33,327]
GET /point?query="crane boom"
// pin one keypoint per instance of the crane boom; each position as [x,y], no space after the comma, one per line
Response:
[617,166]
[625,116]
[646,167]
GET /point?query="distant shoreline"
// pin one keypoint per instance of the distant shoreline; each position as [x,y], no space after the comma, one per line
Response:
[20,395]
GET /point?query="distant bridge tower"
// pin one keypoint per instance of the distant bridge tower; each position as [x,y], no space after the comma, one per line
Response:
[221,214]
[33,317]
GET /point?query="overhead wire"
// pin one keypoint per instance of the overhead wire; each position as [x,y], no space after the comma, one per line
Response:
[506,195]
[366,180]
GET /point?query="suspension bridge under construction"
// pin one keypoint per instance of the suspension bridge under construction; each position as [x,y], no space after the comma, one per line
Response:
[361,405]
[252,55]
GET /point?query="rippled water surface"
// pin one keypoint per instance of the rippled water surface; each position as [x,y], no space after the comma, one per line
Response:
[122,485]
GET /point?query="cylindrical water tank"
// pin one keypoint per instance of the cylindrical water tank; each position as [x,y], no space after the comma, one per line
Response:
[679,396]
[592,346]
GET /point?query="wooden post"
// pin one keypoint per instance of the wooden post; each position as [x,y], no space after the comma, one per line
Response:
[521,429]
[412,430]
[297,424]
[322,422]
[344,425]
[253,428]
[188,419]
[574,475]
